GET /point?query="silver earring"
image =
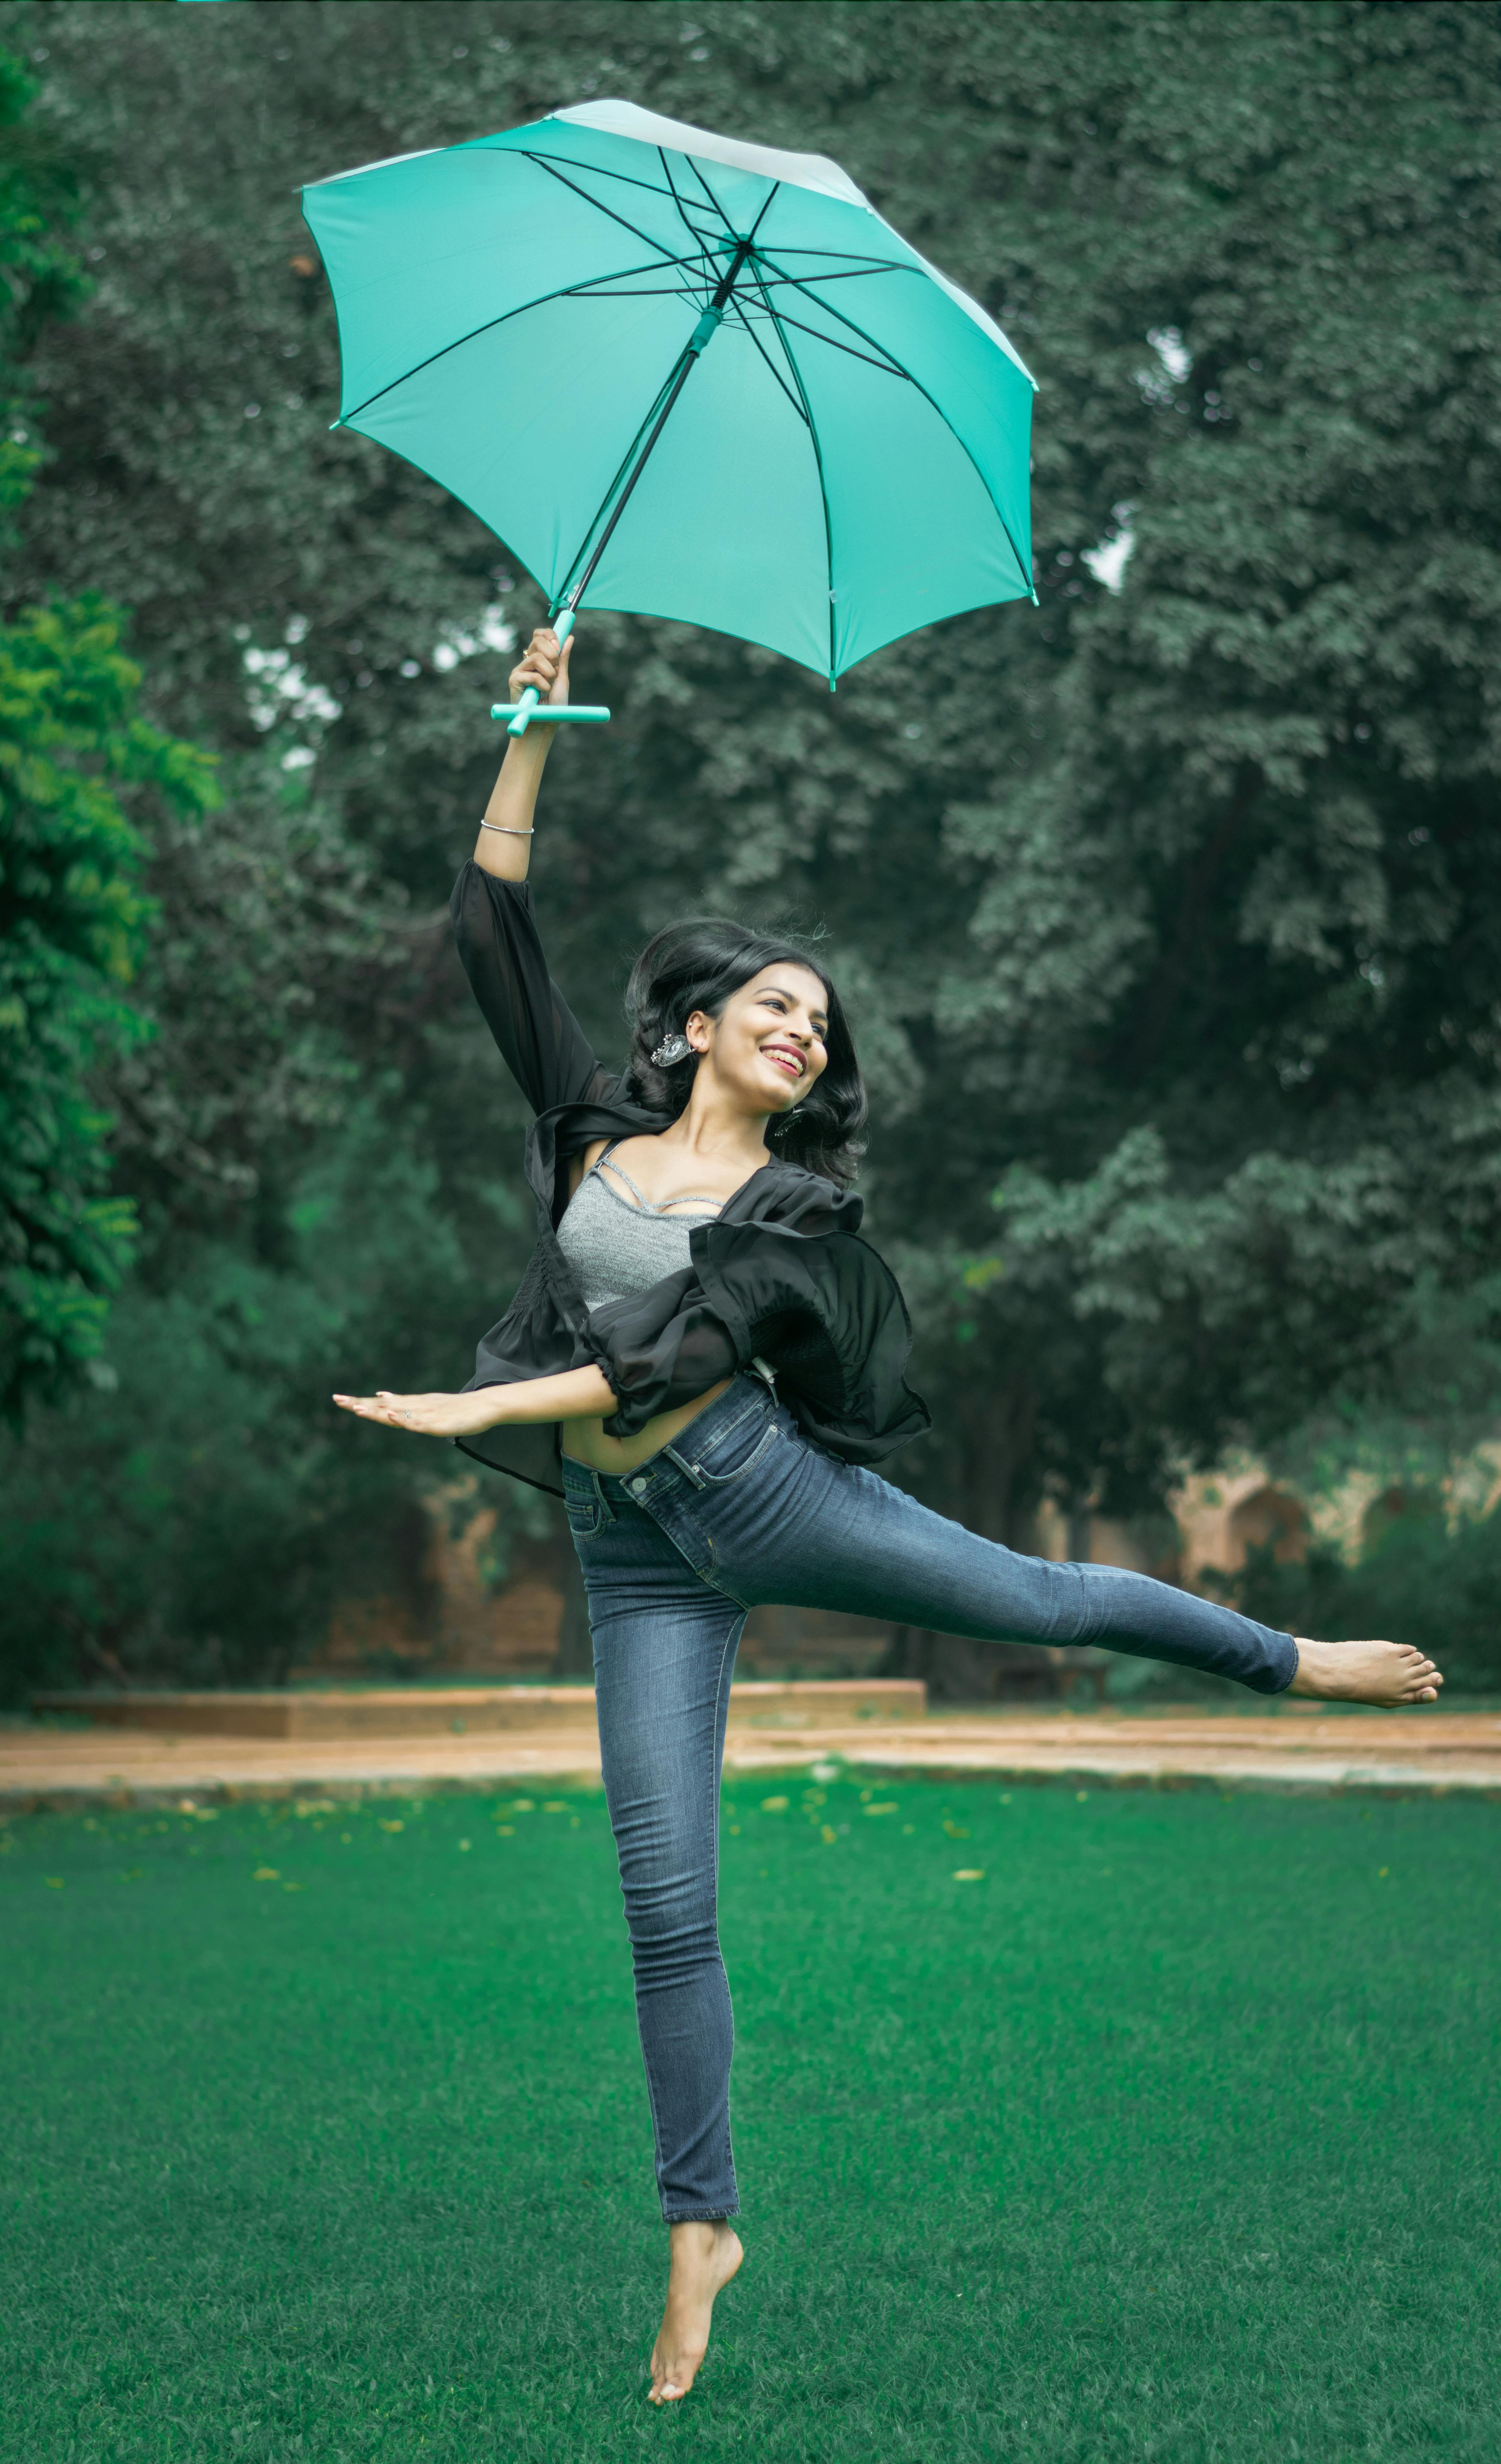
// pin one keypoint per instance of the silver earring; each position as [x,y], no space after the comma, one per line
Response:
[672,1049]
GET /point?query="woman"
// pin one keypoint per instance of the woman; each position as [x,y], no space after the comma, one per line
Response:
[723,1359]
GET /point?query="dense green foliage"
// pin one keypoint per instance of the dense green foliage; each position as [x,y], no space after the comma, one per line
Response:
[71,929]
[1176,927]
[354,2159]
[71,913]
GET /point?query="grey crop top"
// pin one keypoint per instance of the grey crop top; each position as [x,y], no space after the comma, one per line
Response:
[617,1249]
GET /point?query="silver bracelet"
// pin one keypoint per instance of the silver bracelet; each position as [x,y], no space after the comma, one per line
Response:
[505,833]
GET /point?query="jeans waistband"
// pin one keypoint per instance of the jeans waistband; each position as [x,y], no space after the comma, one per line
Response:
[678,1463]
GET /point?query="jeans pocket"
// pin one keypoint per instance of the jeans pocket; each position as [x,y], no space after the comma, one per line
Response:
[584,1512]
[737,1450]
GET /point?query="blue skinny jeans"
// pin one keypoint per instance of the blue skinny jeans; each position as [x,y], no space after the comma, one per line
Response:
[740,1511]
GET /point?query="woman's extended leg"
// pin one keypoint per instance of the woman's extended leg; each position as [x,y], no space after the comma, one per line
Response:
[664,1647]
[777,1520]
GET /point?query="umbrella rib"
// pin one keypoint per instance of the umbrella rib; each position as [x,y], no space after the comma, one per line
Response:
[595,170]
[634,230]
[933,405]
[818,461]
[693,228]
[570,291]
[888,367]
[850,256]
[771,364]
[668,291]
[851,274]
[724,218]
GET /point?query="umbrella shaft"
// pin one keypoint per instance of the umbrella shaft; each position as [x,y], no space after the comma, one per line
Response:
[623,498]
[702,333]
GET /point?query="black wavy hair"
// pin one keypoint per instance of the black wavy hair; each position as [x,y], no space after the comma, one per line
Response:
[697,965]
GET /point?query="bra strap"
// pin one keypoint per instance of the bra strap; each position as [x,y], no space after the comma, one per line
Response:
[621,1174]
[646,1205]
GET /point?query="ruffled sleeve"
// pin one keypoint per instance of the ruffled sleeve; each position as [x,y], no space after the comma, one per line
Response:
[822,1308]
[827,1313]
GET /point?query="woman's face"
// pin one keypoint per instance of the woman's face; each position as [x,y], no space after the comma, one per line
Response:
[766,1047]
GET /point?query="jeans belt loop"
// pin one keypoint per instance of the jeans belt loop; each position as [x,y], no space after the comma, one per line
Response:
[691,1472]
[605,1505]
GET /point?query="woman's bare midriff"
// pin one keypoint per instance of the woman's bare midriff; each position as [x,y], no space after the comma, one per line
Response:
[584,1442]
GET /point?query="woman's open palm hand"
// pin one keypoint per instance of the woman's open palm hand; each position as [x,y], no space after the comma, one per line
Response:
[426,1415]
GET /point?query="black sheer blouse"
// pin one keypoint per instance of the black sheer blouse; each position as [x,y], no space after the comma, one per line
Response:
[781,1274]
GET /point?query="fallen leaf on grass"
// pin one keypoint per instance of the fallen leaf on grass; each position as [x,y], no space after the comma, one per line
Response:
[505,1831]
[53,1882]
[392,1826]
[956,1830]
[265,1874]
[774,1804]
[827,1835]
[970,1874]
[881,1809]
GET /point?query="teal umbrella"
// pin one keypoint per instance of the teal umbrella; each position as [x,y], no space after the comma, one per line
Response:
[686,377]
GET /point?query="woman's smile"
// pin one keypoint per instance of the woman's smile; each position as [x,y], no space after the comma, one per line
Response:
[787,1057]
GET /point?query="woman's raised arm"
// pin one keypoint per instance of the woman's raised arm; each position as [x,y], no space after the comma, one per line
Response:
[504,845]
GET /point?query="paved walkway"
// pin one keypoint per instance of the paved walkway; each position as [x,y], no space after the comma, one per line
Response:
[1312,1749]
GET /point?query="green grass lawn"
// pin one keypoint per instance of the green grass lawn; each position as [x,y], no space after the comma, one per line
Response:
[1173,2137]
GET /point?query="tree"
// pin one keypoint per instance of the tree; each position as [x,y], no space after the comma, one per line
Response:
[70,911]
[72,919]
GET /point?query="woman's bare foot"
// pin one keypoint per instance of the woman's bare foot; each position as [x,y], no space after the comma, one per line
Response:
[704,2258]
[1391,1674]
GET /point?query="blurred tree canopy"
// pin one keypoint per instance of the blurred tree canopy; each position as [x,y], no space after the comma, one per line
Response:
[71,913]
[1171,929]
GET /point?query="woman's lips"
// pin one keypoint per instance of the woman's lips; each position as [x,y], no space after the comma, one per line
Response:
[792,1062]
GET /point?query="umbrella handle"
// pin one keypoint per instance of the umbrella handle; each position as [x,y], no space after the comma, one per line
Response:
[518,715]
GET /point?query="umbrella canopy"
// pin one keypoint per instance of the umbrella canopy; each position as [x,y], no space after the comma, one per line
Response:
[702,379]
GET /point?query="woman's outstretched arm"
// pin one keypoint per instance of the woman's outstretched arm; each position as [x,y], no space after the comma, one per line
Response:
[505,847]
[576,1395]
[538,1036]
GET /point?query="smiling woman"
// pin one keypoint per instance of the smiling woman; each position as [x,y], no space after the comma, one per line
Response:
[724,1357]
